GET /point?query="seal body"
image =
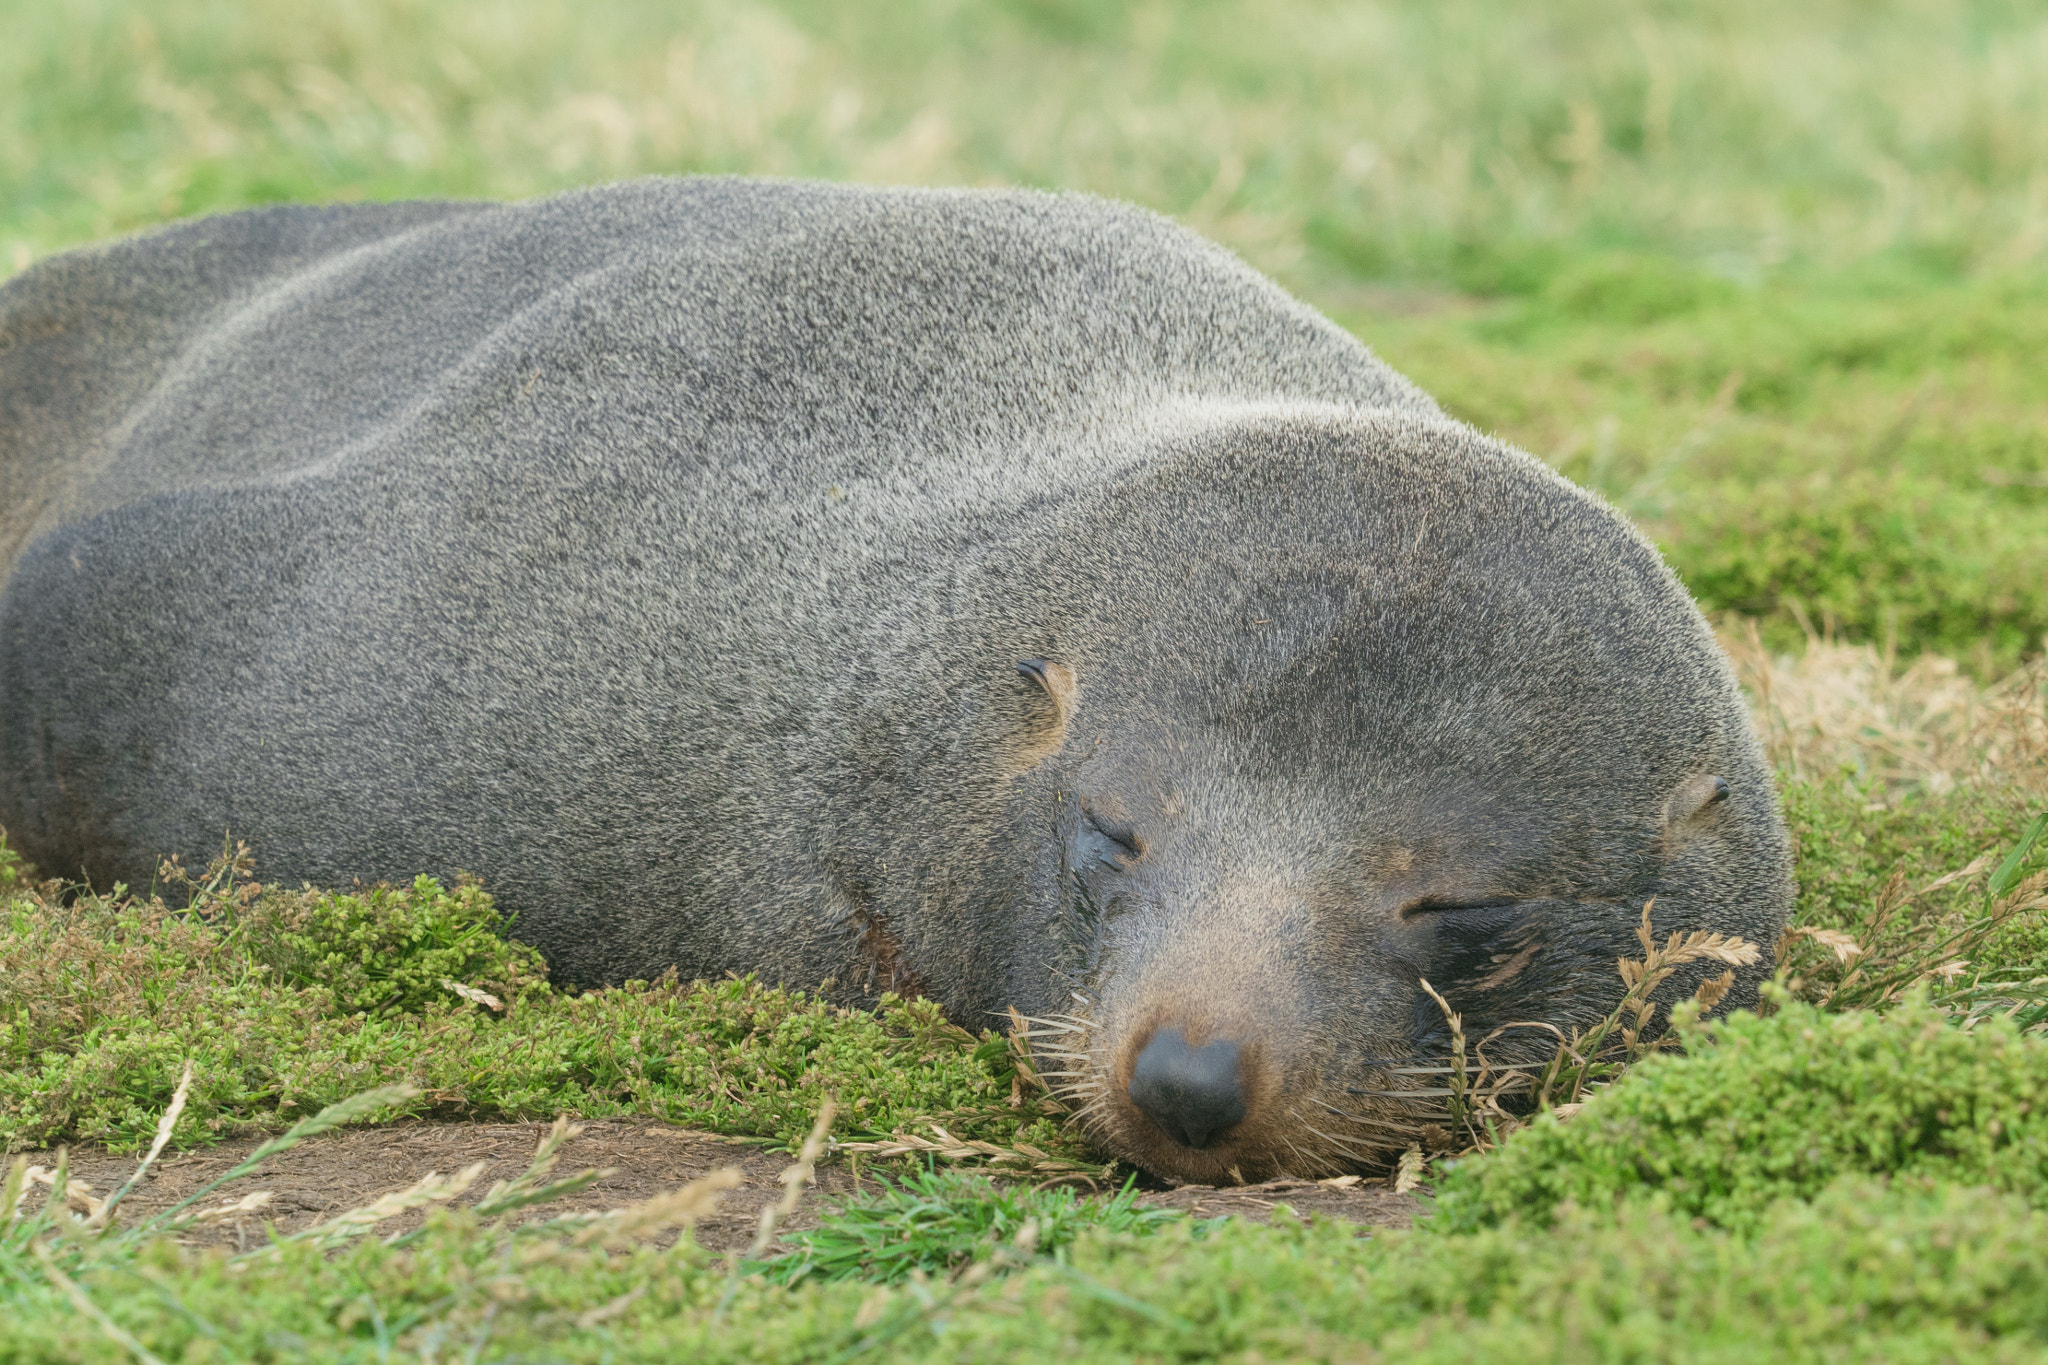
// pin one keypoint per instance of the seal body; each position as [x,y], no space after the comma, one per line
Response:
[1004,596]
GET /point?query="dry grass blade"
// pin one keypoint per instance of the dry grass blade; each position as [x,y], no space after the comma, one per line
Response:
[946,1147]
[1588,1056]
[1938,950]
[1680,949]
[337,1115]
[252,1202]
[1843,946]
[1408,1173]
[10,1191]
[475,996]
[1712,990]
[527,1187]
[164,1128]
[1455,1093]
[683,1207]
[431,1188]
[333,1116]
[803,1171]
[75,1194]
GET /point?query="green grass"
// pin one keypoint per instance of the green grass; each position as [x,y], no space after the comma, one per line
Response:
[1892,1268]
[1483,146]
[1865,456]
[946,1222]
[288,1001]
[1781,1107]
[1848,860]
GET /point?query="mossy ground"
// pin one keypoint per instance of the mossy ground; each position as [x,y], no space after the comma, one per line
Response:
[1768,277]
[286,1002]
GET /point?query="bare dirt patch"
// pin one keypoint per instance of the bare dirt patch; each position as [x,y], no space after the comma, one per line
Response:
[339,1171]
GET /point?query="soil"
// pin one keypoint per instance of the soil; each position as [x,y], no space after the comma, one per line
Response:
[347,1169]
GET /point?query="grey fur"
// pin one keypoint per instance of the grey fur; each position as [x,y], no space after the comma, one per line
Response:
[665,553]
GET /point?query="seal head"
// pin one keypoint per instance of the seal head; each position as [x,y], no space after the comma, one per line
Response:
[1449,727]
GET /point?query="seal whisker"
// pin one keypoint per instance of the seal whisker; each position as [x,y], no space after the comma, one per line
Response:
[1312,1163]
[1447,1070]
[1340,1144]
[1055,1023]
[1393,1126]
[1348,1150]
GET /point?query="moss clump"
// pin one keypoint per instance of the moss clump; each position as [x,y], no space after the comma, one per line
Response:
[389,949]
[1778,1107]
[288,1001]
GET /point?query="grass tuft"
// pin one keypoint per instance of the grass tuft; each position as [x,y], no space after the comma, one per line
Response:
[938,1223]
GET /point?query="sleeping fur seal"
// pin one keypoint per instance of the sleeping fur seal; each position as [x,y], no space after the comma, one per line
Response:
[999,595]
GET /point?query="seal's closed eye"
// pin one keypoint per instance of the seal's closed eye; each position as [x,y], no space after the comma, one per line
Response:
[1122,836]
[1452,906]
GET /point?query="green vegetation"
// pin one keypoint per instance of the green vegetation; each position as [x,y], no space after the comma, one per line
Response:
[1868,460]
[943,1223]
[1856,872]
[1768,277]
[286,1002]
[1899,1270]
[1778,1108]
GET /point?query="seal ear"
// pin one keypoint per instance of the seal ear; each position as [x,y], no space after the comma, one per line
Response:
[1690,806]
[1050,692]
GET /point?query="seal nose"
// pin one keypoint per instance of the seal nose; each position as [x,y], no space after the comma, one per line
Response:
[1190,1092]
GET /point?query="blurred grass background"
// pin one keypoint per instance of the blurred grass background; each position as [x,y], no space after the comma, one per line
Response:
[1770,277]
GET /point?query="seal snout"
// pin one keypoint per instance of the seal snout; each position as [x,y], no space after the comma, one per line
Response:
[1191,1093]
